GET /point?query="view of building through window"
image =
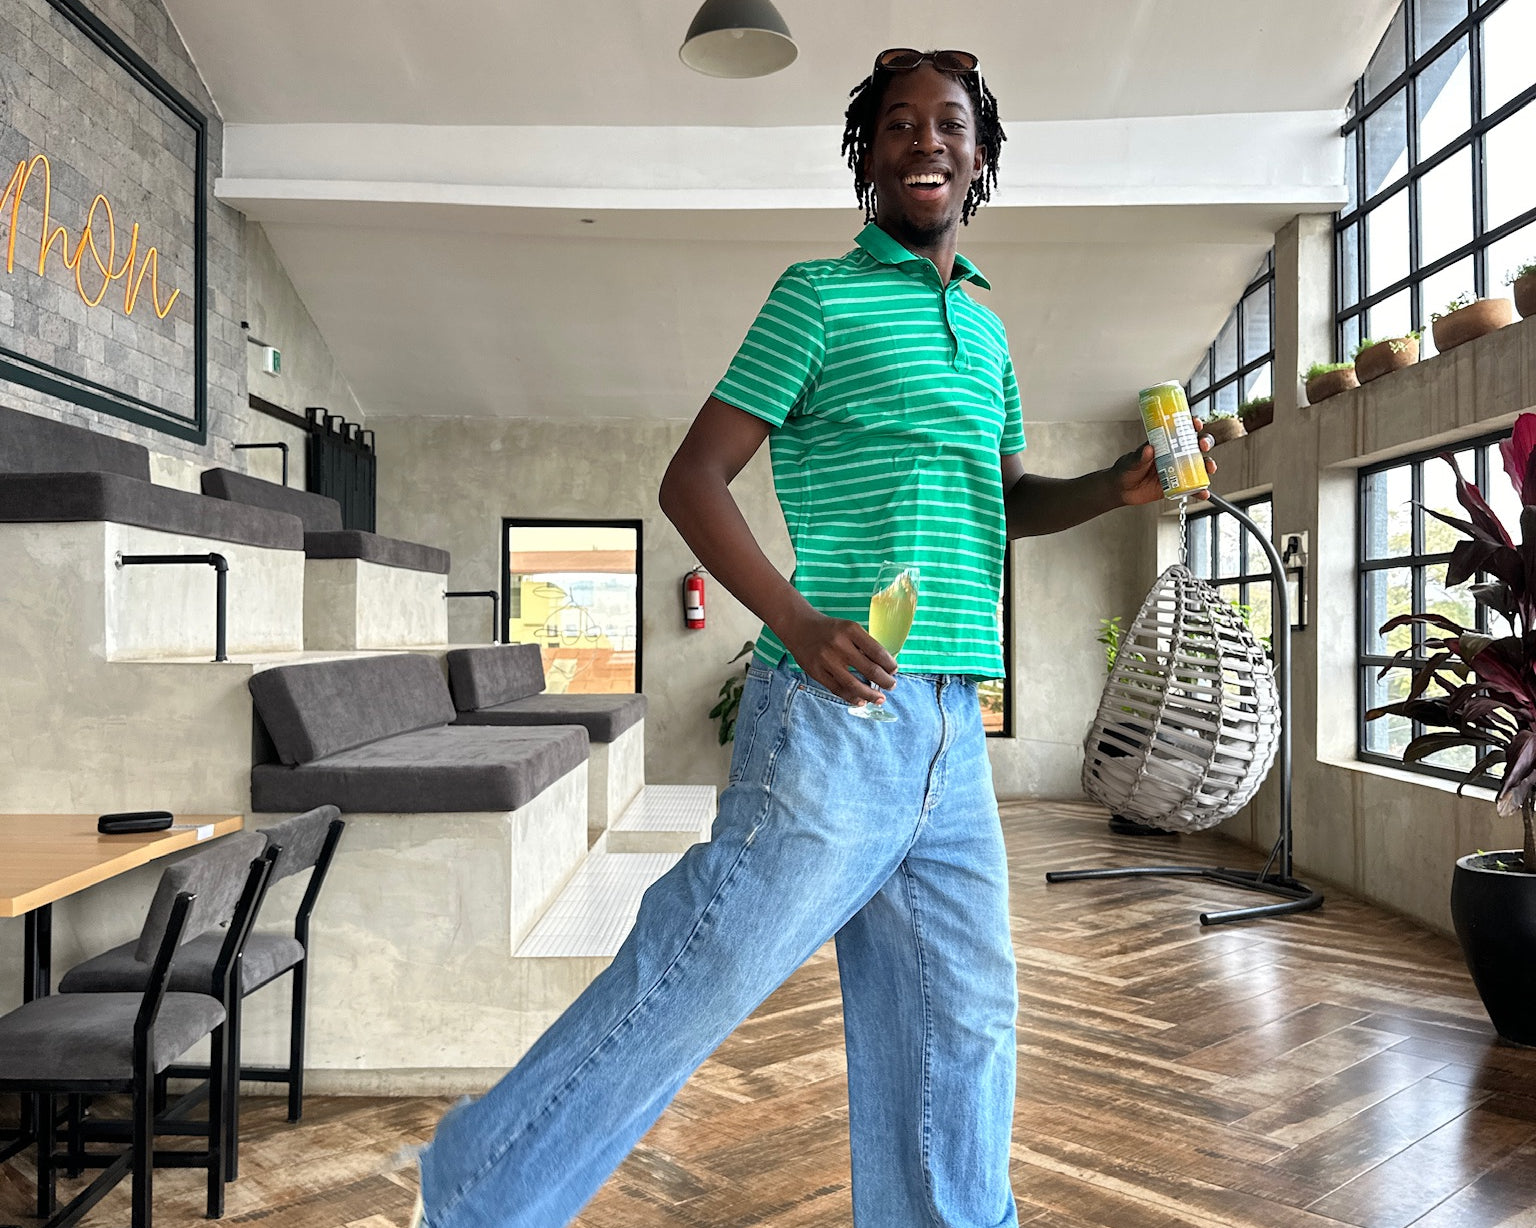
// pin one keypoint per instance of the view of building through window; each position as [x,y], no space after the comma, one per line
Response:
[574,590]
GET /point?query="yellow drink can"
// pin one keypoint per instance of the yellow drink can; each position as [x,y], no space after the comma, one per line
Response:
[1175,447]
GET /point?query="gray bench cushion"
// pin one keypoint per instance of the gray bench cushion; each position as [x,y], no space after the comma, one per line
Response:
[315,710]
[604,717]
[441,770]
[371,548]
[118,971]
[30,443]
[484,677]
[324,537]
[39,498]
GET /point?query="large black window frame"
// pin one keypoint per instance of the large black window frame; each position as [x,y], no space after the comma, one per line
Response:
[1401,555]
[1223,553]
[1390,114]
[1239,364]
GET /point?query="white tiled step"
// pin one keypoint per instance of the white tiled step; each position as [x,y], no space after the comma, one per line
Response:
[593,914]
[664,819]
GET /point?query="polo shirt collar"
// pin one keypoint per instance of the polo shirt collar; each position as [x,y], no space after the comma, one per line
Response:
[887,251]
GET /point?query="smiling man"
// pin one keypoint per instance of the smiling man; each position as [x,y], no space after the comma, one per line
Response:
[889,402]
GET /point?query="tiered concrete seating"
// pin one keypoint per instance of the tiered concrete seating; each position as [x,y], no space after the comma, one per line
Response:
[504,686]
[361,590]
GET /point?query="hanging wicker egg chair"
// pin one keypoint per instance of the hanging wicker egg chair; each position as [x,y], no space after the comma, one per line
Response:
[1189,721]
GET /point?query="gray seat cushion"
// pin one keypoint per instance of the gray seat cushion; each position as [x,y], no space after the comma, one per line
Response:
[604,717]
[117,971]
[315,710]
[371,548]
[88,1038]
[483,677]
[324,536]
[67,497]
[442,770]
[31,443]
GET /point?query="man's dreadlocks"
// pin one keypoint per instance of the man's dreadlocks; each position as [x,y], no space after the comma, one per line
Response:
[859,136]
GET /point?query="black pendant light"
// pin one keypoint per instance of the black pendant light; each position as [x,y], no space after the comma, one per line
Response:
[738,38]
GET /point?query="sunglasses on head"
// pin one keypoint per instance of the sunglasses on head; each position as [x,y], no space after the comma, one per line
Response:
[904,59]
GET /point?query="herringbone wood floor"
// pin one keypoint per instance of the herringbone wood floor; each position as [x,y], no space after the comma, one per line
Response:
[1305,1072]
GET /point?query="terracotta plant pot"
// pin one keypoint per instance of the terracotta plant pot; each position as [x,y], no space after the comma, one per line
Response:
[1260,415]
[1472,321]
[1224,430]
[1391,355]
[1330,383]
[1525,296]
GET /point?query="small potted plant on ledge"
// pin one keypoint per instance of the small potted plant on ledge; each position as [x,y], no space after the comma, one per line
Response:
[1256,413]
[1327,379]
[1479,691]
[1466,318]
[1523,279]
[1373,359]
[1223,426]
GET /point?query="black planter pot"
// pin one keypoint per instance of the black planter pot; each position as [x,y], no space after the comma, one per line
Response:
[1495,916]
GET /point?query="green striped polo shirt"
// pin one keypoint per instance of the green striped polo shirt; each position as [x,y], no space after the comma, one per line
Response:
[892,398]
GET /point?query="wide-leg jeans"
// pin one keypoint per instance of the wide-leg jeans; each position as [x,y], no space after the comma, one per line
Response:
[885,835]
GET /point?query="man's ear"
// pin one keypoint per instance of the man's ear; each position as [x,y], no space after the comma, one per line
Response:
[979,163]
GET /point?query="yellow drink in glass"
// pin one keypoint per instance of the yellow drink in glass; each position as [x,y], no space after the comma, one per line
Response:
[891,610]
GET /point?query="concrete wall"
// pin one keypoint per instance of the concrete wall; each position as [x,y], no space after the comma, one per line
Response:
[449,482]
[1386,835]
[48,78]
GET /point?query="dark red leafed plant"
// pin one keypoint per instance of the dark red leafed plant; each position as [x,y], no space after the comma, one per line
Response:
[1485,687]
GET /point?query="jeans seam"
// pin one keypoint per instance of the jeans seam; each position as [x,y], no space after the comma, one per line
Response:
[644,999]
[925,1134]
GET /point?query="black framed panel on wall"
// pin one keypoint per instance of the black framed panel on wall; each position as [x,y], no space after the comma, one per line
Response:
[104,229]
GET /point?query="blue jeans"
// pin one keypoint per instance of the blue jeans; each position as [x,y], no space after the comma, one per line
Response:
[885,835]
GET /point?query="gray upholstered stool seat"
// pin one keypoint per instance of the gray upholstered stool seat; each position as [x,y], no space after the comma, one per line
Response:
[604,717]
[266,956]
[446,769]
[89,1038]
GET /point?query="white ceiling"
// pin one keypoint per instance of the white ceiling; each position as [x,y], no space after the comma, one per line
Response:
[451,273]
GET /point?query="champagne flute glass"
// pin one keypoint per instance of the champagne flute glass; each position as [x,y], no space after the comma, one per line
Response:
[890,618]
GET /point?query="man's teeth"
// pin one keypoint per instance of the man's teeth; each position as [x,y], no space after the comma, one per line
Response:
[921,181]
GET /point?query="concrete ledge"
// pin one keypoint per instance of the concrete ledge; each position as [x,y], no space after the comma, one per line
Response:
[615,776]
[354,604]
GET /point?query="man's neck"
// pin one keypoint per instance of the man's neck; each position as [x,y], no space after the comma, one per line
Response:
[940,251]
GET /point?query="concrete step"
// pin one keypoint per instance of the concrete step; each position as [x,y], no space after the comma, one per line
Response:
[591,917]
[664,819]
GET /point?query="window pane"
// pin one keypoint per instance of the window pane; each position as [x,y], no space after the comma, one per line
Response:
[1389,734]
[1445,207]
[1227,398]
[1440,496]
[1501,496]
[1258,333]
[1508,254]
[1388,529]
[1511,171]
[1259,383]
[1200,408]
[1351,336]
[1509,33]
[1199,530]
[1445,99]
[1386,237]
[1390,318]
[1388,61]
[1433,20]
[1439,290]
[1388,593]
[1386,143]
[1348,256]
[1262,514]
[1228,561]
[1453,603]
[1201,379]
[1226,348]
[1260,616]
[1352,169]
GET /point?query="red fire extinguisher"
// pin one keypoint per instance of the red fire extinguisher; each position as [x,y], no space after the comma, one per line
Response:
[693,599]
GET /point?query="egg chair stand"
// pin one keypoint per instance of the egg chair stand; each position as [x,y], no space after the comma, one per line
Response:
[1275,877]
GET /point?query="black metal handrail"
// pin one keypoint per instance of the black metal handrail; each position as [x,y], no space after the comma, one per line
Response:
[242,447]
[495,607]
[220,567]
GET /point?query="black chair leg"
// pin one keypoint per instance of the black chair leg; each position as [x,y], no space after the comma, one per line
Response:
[232,1088]
[296,1041]
[143,1149]
[46,1175]
[218,1123]
[76,1135]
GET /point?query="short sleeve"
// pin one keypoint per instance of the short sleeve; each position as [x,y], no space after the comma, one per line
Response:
[1013,413]
[780,358]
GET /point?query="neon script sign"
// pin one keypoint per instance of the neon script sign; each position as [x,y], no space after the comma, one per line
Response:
[131,272]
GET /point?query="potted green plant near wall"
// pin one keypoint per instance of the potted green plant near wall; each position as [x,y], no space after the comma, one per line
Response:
[1327,379]
[725,711]
[1467,317]
[1373,359]
[1523,279]
[1257,413]
[1479,691]
[1223,426]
